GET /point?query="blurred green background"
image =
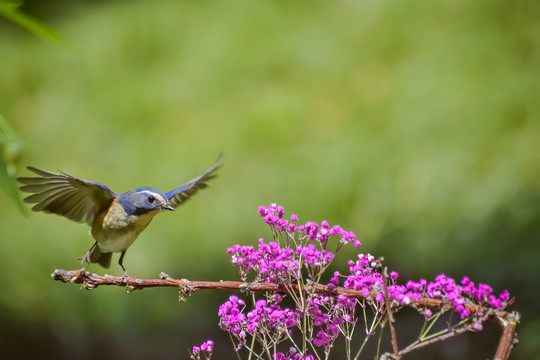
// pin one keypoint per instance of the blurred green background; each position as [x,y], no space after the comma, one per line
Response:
[414,124]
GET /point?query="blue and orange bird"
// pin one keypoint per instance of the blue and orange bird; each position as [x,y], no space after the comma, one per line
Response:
[116,219]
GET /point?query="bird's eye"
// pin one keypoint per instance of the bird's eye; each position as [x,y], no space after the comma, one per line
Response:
[151,199]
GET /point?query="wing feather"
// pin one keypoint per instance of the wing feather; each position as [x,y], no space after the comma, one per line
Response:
[62,194]
[183,193]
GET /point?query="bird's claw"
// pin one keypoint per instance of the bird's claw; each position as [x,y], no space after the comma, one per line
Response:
[85,258]
[125,278]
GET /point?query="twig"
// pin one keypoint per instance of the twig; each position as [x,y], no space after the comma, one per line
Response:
[389,312]
[508,337]
[451,333]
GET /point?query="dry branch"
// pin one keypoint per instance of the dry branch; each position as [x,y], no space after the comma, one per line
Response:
[90,281]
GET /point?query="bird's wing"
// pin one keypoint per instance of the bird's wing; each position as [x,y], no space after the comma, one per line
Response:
[62,194]
[184,192]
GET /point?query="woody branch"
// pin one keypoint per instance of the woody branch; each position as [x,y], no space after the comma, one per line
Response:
[90,281]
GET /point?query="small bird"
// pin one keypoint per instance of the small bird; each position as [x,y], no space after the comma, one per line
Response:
[116,219]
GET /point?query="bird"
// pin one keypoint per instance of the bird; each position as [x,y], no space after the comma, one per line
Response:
[116,220]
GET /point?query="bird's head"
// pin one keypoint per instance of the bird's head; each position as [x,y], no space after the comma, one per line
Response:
[143,200]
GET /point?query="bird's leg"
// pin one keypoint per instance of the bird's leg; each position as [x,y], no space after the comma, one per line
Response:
[125,277]
[86,256]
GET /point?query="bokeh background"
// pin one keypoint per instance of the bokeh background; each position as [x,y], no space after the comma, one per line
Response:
[414,124]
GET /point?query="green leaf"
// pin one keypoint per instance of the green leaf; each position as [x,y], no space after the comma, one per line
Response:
[10,151]
[10,11]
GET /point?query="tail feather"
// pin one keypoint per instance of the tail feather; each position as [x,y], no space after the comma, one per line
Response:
[96,256]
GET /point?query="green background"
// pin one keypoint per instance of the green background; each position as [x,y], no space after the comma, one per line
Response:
[414,124]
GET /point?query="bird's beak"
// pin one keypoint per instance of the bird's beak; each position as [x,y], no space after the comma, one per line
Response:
[167,207]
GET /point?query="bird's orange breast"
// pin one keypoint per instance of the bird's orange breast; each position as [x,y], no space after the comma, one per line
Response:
[115,230]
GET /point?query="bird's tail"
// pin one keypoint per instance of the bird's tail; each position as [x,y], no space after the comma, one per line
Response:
[94,255]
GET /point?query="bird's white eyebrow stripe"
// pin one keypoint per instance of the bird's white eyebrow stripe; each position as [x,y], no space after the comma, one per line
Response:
[156,195]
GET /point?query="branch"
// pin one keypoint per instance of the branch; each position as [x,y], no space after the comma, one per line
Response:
[508,337]
[449,334]
[91,281]
[389,311]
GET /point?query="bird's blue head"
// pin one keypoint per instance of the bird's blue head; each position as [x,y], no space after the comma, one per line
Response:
[143,200]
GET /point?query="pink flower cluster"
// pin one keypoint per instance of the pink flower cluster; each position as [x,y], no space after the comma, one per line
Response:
[205,349]
[330,314]
[265,318]
[301,249]
[232,317]
[273,216]
[365,277]
[270,262]
[292,355]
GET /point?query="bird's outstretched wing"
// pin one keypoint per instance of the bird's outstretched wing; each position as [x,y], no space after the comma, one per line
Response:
[184,192]
[62,194]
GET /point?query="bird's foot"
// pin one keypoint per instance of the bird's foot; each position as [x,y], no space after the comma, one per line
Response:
[85,258]
[129,287]
[125,278]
